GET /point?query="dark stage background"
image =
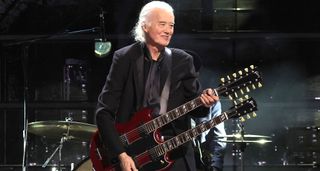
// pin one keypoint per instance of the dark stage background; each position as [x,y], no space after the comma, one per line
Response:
[51,69]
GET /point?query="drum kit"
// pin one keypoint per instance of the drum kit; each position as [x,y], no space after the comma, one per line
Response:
[239,141]
[66,131]
[72,131]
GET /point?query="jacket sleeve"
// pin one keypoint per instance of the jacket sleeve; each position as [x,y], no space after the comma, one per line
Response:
[192,86]
[108,103]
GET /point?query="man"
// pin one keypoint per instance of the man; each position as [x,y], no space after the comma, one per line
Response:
[212,149]
[137,78]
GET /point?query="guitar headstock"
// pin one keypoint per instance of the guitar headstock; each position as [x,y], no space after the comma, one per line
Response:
[244,107]
[240,82]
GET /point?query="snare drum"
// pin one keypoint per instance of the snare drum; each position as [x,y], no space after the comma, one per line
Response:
[84,165]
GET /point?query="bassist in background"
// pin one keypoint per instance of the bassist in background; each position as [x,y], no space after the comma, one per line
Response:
[139,77]
[212,148]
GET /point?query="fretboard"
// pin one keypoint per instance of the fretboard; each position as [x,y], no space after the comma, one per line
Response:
[165,118]
[186,136]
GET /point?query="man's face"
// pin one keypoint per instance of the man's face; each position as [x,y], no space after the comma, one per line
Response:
[160,28]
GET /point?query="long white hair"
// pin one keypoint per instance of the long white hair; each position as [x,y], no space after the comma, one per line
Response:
[145,12]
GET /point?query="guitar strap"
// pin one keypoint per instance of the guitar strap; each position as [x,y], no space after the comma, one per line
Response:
[166,88]
[165,95]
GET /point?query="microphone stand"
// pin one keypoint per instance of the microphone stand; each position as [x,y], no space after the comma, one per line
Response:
[25,54]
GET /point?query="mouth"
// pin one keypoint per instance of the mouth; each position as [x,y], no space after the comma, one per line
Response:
[166,37]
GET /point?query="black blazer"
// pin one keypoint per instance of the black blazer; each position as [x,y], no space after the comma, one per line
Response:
[122,94]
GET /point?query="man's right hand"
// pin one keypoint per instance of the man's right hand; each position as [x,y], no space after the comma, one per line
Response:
[126,162]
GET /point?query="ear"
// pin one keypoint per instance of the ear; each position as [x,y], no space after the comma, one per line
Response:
[144,27]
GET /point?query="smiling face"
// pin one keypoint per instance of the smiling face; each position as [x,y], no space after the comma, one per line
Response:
[159,28]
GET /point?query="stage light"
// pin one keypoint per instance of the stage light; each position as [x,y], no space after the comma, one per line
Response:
[102,47]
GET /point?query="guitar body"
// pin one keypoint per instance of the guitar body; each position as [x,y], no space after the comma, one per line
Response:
[103,160]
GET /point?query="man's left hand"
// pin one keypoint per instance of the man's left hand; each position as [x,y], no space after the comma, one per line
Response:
[209,97]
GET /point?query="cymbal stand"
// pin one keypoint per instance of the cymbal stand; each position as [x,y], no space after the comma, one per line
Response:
[239,146]
[63,139]
[242,146]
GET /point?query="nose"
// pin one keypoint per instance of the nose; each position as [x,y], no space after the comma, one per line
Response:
[169,29]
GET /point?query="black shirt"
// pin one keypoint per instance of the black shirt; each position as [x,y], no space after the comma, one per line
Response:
[152,70]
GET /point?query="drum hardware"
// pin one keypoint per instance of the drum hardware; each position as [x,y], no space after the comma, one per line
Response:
[65,130]
[71,130]
[240,141]
[62,140]
[247,138]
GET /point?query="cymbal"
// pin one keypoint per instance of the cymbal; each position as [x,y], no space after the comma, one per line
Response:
[237,136]
[57,129]
[259,141]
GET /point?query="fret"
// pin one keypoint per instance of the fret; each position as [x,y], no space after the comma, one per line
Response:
[165,147]
[166,119]
[147,127]
[193,104]
[184,109]
[179,111]
[160,151]
[159,122]
[198,129]
[177,140]
[203,127]
[211,123]
[155,123]
[176,112]
[169,145]
[162,120]
[193,132]
[171,115]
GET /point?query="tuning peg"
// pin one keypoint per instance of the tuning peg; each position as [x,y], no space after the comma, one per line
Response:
[234,102]
[253,86]
[246,97]
[234,75]
[230,97]
[240,99]
[240,72]
[246,69]
[235,95]
[247,89]
[222,80]
[254,114]
[242,119]
[241,91]
[259,84]
[228,77]
[248,116]
[252,66]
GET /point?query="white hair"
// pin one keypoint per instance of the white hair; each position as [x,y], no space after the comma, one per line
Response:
[145,12]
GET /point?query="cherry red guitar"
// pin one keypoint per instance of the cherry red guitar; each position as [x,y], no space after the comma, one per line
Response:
[135,134]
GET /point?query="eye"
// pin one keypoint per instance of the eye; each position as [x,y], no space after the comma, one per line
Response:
[162,24]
